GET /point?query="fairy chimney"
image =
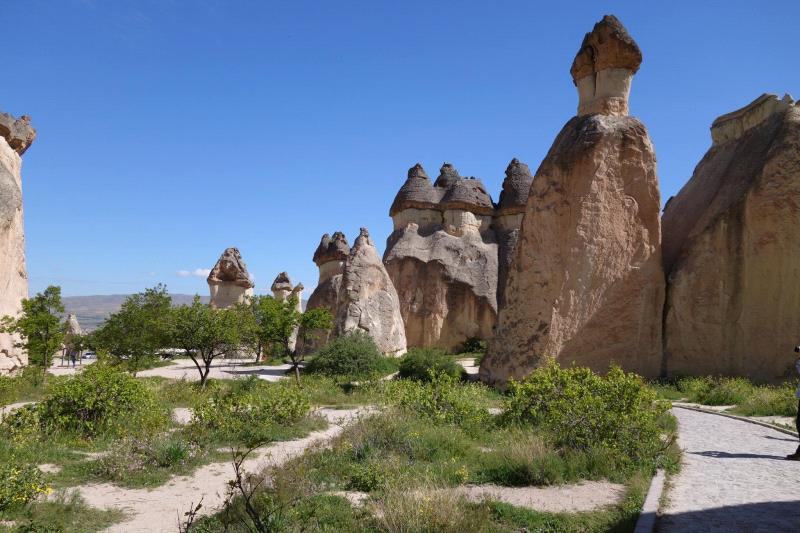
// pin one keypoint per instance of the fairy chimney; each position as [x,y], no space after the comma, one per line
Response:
[229,282]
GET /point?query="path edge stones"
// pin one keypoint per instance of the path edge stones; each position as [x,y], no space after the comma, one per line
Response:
[646,522]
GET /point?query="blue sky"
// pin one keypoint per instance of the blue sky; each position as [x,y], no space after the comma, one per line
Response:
[169,130]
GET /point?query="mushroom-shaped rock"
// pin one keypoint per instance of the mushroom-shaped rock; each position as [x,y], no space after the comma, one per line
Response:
[603,67]
[282,286]
[585,284]
[732,249]
[229,282]
[508,218]
[516,187]
[368,300]
[468,195]
[416,193]
[447,176]
[16,135]
[331,249]
[72,326]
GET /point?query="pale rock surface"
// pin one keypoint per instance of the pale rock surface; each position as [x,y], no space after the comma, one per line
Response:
[732,249]
[586,284]
[16,135]
[442,258]
[229,282]
[330,258]
[367,300]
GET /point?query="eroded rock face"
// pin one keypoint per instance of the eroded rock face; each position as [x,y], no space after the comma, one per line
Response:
[586,284]
[442,258]
[229,282]
[367,300]
[732,249]
[16,135]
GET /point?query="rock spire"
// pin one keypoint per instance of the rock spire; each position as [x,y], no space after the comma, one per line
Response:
[229,282]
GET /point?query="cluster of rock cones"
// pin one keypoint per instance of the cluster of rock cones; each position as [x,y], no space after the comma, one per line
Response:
[575,263]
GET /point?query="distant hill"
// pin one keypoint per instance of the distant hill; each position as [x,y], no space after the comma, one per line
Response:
[92,310]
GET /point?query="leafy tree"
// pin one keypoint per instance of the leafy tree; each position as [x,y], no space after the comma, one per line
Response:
[38,326]
[279,322]
[136,332]
[204,333]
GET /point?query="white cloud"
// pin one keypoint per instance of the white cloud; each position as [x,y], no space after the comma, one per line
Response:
[197,272]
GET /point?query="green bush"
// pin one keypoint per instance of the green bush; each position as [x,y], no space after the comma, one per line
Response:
[419,363]
[716,391]
[770,401]
[474,345]
[249,412]
[352,356]
[443,400]
[20,485]
[583,410]
[101,399]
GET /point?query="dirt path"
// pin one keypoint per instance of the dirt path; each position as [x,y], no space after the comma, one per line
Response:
[220,369]
[734,478]
[157,510]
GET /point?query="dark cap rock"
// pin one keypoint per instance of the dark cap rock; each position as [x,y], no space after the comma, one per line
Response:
[230,268]
[608,45]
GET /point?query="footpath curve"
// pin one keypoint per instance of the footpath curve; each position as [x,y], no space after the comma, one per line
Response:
[734,478]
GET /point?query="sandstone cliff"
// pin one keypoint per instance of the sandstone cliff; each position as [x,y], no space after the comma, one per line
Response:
[732,249]
[586,283]
[229,282]
[16,135]
[443,258]
[367,300]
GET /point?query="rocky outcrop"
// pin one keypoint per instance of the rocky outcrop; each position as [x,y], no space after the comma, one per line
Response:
[442,258]
[229,282]
[586,284]
[367,300]
[732,249]
[16,135]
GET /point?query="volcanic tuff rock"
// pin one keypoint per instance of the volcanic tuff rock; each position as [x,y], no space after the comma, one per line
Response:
[15,137]
[330,258]
[732,249]
[368,300]
[229,282]
[586,283]
[442,258]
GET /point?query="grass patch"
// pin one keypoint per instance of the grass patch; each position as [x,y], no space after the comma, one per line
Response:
[65,511]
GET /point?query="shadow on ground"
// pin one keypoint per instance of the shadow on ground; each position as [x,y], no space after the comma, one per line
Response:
[751,518]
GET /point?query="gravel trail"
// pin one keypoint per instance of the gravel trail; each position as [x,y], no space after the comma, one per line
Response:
[734,478]
[156,510]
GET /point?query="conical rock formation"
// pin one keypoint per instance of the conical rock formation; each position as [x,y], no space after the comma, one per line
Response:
[732,249]
[368,300]
[586,284]
[16,135]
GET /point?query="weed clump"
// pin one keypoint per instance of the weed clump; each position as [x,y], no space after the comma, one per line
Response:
[419,363]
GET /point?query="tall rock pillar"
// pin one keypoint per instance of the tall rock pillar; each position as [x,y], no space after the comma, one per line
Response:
[586,285]
[16,135]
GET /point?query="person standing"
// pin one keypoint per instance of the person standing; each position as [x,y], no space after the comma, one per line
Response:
[796,455]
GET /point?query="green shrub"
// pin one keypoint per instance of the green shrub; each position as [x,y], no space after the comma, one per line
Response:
[443,400]
[770,401]
[419,363]
[98,400]
[134,457]
[22,424]
[250,411]
[474,345]
[716,391]
[20,485]
[352,356]
[583,410]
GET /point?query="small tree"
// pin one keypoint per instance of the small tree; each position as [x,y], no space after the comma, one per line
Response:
[38,326]
[203,333]
[138,330]
[279,322]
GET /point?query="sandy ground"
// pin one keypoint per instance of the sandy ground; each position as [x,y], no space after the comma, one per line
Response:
[734,478]
[220,369]
[157,510]
[4,410]
[584,496]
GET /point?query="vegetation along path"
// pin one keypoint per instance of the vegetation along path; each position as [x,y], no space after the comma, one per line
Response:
[734,478]
[157,510]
